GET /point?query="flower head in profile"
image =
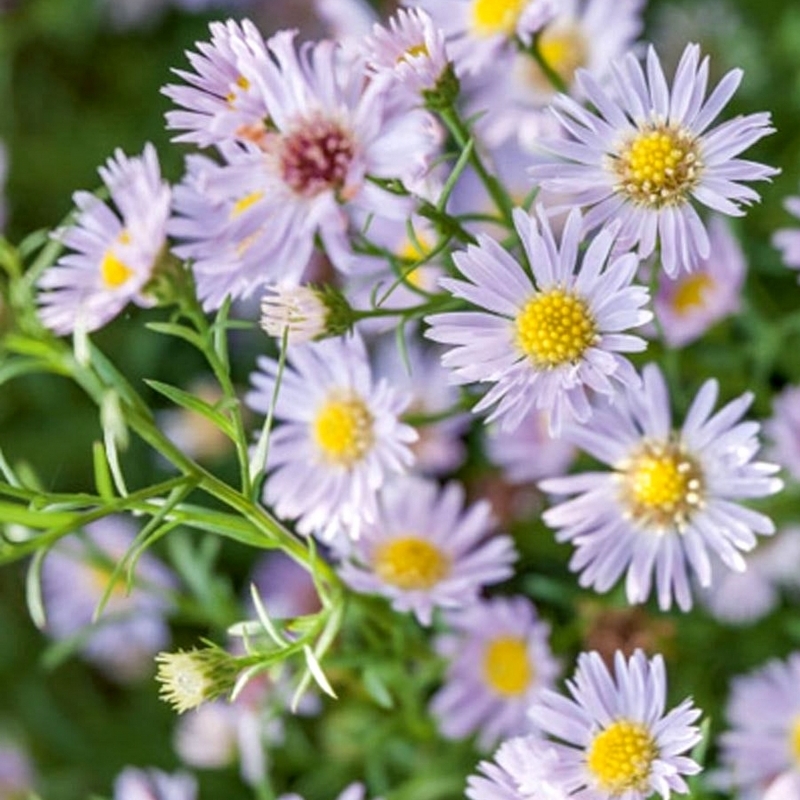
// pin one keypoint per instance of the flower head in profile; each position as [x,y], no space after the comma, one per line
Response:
[113,250]
[543,339]
[670,499]
[614,740]
[763,739]
[499,660]
[340,436]
[426,550]
[190,678]
[649,153]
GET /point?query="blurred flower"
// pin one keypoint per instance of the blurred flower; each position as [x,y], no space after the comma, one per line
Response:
[763,714]
[114,251]
[783,430]
[647,153]
[520,771]
[624,629]
[787,240]
[153,784]
[478,31]
[784,787]
[254,219]
[286,589]
[355,791]
[425,550]
[16,772]
[614,739]
[132,629]
[542,342]
[341,436]
[689,304]
[348,21]
[669,500]
[529,452]
[499,660]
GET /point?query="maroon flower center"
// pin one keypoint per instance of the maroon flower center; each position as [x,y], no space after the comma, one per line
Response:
[316,156]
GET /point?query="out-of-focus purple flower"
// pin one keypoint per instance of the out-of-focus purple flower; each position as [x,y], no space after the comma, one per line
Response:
[783,430]
[153,784]
[16,772]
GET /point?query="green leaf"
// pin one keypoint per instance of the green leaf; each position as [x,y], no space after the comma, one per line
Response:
[33,589]
[193,403]
[376,688]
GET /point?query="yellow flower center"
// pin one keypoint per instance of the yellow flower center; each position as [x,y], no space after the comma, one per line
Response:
[240,206]
[621,756]
[491,17]
[114,271]
[342,429]
[691,292]
[658,166]
[795,740]
[554,328]
[662,486]
[411,563]
[243,84]
[506,666]
[564,49]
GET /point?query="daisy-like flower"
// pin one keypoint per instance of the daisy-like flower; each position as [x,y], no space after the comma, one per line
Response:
[410,53]
[689,304]
[253,219]
[783,430]
[614,740]
[521,770]
[670,498]
[649,152]
[425,550]
[140,784]
[132,628]
[477,31]
[355,791]
[763,714]
[114,251]
[219,103]
[499,661]
[543,340]
[341,436]
[787,240]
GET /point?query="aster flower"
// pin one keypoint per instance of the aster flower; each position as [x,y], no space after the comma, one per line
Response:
[299,312]
[341,436]
[521,770]
[132,628]
[689,304]
[219,103]
[542,341]
[253,219]
[114,250]
[649,152]
[355,791]
[499,660]
[783,430]
[787,240]
[477,31]
[671,498]
[425,550]
[410,53]
[140,784]
[614,739]
[763,714]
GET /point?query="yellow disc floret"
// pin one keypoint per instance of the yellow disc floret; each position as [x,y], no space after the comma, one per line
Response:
[411,563]
[564,49]
[795,740]
[621,756]
[506,666]
[662,485]
[241,205]
[554,328]
[691,292]
[491,17]
[658,166]
[114,271]
[343,429]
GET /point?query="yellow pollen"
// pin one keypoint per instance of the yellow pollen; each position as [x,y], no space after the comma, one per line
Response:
[564,50]
[342,429]
[658,166]
[415,50]
[491,17]
[410,563]
[554,328]
[113,271]
[795,740]
[662,486]
[621,756]
[243,84]
[240,206]
[691,292]
[506,666]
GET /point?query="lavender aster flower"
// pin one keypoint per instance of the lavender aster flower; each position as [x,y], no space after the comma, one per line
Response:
[614,740]
[649,152]
[543,340]
[425,550]
[763,713]
[499,661]
[787,240]
[340,438]
[783,430]
[671,498]
[114,251]
[144,784]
